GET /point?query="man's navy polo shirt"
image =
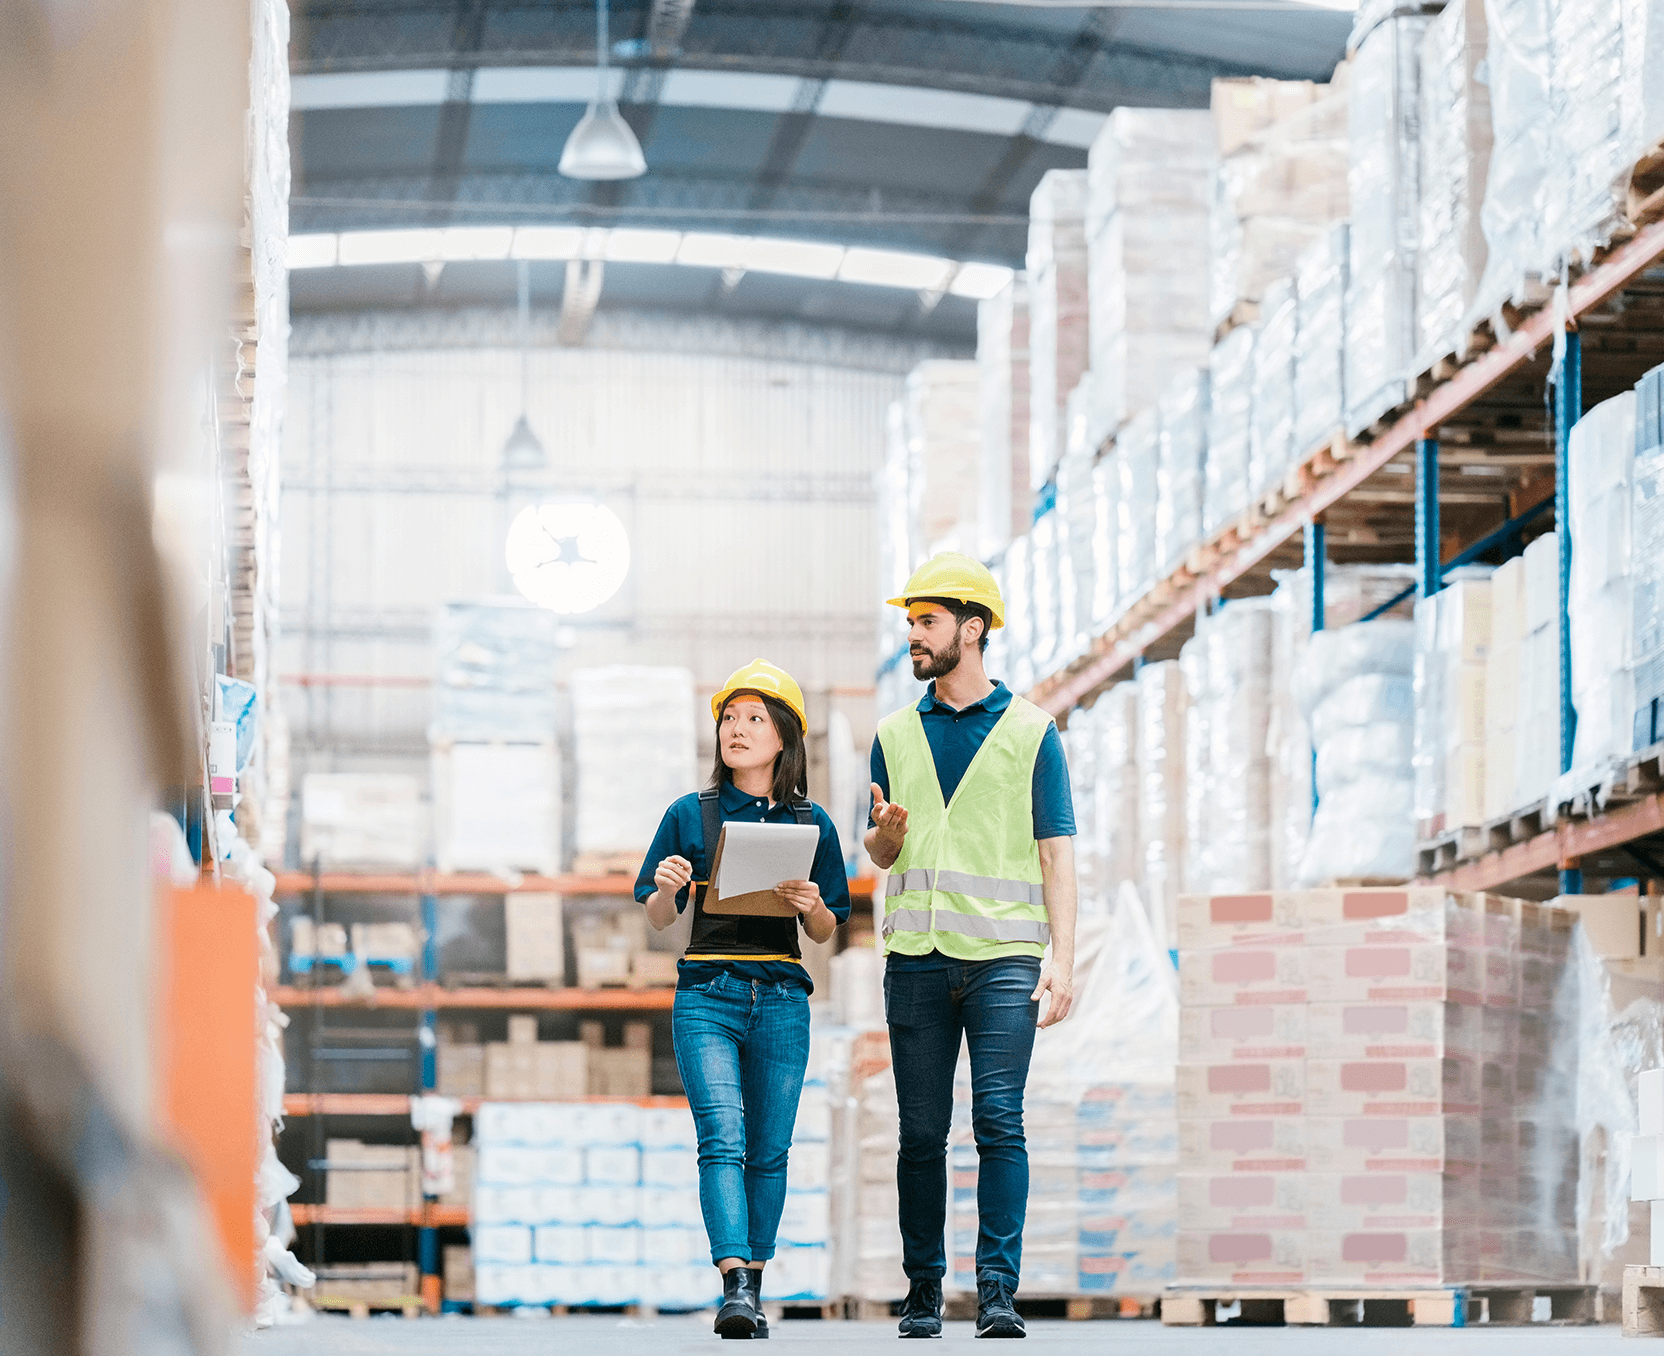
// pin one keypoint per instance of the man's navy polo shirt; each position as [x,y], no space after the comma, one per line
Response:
[954,737]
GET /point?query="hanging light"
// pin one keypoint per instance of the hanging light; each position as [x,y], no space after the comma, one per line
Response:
[602,146]
[569,557]
[524,449]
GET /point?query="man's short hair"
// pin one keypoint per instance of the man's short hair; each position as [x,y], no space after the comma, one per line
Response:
[962,613]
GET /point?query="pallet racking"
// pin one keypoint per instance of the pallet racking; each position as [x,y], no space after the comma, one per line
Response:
[1481,452]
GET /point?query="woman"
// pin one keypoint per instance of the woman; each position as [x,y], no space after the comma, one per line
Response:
[741,1020]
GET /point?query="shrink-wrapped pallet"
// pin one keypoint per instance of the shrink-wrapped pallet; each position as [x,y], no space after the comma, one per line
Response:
[1057,334]
[1271,440]
[1453,639]
[1320,340]
[1197,875]
[1043,605]
[1386,226]
[944,454]
[1230,428]
[1150,176]
[1138,450]
[1590,171]
[1082,742]
[1017,635]
[1161,804]
[495,676]
[1455,157]
[1183,412]
[1077,518]
[1106,560]
[635,716]
[1537,679]
[1002,358]
[1647,553]
[1282,178]
[1357,692]
[1601,606]
[1120,846]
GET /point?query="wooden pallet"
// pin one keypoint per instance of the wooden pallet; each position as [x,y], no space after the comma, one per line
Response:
[1506,830]
[1432,1306]
[1641,775]
[408,1305]
[1643,1312]
[1451,848]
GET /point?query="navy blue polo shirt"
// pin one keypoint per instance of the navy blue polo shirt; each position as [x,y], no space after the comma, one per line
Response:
[682,834]
[954,737]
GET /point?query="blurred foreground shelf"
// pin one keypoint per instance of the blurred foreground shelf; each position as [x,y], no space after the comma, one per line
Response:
[398,1104]
[429,1216]
[425,996]
[472,883]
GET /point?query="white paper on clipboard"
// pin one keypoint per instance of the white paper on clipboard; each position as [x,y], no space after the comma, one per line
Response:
[761,856]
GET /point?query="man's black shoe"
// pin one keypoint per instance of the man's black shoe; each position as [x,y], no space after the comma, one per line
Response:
[921,1316]
[996,1315]
[740,1311]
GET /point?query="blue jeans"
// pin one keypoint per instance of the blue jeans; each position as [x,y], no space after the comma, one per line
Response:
[927,1010]
[742,1046]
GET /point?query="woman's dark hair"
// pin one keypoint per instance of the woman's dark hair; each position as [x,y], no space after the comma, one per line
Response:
[791,764]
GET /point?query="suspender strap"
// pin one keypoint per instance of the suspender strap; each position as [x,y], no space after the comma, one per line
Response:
[710,815]
[803,811]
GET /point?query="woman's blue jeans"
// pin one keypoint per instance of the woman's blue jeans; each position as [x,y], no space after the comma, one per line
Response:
[742,1046]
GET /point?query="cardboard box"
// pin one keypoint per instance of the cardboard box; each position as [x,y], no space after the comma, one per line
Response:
[536,938]
[459,1272]
[461,1070]
[1243,1200]
[1350,1144]
[362,817]
[653,969]
[1508,603]
[389,1283]
[1270,918]
[1249,1088]
[1244,975]
[1415,971]
[1362,917]
[1268,1031]
[372,1176]
[1387,1256]
[1392,1200]
[620,1072]
[1613,924]
[1392,1087]
[1464,786]
[537,1070]
[522,1029]
[1244,1144]
[1241,1257]
[1404,1030]
[464,1174]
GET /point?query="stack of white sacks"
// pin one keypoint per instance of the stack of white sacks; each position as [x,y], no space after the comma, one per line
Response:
[1453,639]
[598,1204]
[1647,559]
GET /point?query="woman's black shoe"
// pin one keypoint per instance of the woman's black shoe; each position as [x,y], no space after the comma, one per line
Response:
[762,1318]
[921,1316]
[740,1312]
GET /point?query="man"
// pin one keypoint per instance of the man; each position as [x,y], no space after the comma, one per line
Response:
[971,813]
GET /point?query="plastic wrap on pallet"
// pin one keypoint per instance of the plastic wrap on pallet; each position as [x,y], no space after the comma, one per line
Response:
[1099,1120]
[1077,517]
[1018,631]
[942,412]
[1351,679]
[496,671]
[1271,440]
[630,712]
[1082,743]
[1455,158]
[1601,605]
[1149,160]
[1278,185]
[1183,411]
[1197,874]
[1590,171]
[1057,301]
[1002,357]
[1386,227]
[1320,339]
[1161,806]
[1647,556]
[1641,95]
[1537,675]
[1371,14]
[1043,609]
[1230,425]
[1138,449]
[1518,62]
[1106,560]
[1288,743]
[1120,846]
[1453,639]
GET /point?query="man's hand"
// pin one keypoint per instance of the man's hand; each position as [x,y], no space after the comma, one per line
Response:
[1058,981]
[888,832]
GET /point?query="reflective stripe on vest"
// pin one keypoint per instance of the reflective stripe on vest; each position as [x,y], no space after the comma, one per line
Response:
[967,882]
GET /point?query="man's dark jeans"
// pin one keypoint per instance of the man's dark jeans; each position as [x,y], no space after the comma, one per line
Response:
[927,1010]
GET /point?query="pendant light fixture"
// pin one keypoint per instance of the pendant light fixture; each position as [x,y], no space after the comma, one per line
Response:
[523,451]
[602,146]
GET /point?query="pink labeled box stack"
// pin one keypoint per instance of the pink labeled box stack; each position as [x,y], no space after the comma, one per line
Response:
[1373,1091]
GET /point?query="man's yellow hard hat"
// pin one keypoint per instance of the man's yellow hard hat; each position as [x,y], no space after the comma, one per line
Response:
[956,576]
[764,678]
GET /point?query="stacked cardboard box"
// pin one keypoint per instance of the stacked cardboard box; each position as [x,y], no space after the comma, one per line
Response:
[373,1176]
[535,933]
[373,1283]
[459,1272]
[460,1061]
[1058,342]
[361,818]
[622,1070]
[610,948]
[1453,638]
[1372,1090]
[496,806]
[525,1068]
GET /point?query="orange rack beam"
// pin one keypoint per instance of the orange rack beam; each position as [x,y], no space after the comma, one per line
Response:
[398,1104]
[521,999]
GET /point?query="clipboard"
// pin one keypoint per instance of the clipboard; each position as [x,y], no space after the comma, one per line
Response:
[754,904]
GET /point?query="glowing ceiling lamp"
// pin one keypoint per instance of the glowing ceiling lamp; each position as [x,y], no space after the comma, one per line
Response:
[569,557]
[602,146]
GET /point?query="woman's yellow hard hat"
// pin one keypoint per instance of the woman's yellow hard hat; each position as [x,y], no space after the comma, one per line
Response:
[764,678]
[956,576]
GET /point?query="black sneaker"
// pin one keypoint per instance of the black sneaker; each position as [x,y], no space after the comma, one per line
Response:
[921,1316]
[739,1312]
[996,1315]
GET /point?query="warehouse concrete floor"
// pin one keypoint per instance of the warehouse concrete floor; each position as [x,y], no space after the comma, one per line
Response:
[625,1337]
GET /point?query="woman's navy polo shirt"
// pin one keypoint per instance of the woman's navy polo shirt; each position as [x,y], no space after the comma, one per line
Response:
[682,834]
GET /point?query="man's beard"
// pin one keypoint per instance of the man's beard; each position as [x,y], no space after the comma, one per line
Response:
[929,665]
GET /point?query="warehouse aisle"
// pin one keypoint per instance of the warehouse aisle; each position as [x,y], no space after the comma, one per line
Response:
[604,1336]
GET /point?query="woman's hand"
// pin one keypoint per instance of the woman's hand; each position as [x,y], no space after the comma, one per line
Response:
[802,895]
[674,874]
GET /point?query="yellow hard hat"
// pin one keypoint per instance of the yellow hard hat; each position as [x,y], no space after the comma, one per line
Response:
[956,576]
[764,678]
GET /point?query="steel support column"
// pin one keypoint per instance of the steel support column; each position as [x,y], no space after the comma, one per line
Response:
[1429,570]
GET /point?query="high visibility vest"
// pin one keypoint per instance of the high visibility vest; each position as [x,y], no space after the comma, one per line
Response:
[967,882]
